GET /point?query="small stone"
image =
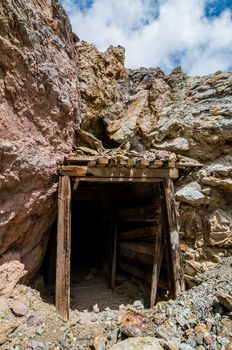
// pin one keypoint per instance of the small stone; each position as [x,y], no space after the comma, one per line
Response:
[223,341]
[35,320]
[19,309]
[40,331]
[138,305]
[229,346]
[96,308]
[184,346]
[208,340]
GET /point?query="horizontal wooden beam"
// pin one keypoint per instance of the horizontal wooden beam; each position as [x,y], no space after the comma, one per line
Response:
[119,179]
[139,247]
[145,259]
[137,233]
[111,172]
[139,213]
[144,275]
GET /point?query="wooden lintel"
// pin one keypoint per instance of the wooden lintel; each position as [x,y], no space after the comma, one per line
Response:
[63,248]
[119,179]
[111,172]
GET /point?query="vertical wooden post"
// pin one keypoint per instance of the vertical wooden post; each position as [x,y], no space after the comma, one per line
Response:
[114,258]
[63,247]
[158,255]
[173,238]
[156,266]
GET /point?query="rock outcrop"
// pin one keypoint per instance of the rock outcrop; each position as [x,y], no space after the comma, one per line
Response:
[52,83]
[191,116]
[39,109]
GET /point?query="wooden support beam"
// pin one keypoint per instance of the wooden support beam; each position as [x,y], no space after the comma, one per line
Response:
[139,247]
[173,235]
[143,232]
[119,179]
[158,255]
[63,248]
[144,275]
[113,172]
[136,214]
[136,257]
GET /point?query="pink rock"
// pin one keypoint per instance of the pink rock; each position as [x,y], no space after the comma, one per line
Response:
[208,340]
[19,309]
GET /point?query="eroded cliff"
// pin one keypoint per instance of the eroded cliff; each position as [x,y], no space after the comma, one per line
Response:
[39,109]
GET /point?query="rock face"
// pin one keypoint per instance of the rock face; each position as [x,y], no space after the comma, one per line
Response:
[51,83]
[39,108]
[191,116]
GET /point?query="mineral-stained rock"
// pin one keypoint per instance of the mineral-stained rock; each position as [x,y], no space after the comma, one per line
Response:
[139,343]
[39,110]
[191,194]
[10,274]
[225,300]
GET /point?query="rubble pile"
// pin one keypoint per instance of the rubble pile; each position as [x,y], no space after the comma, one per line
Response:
[200,319]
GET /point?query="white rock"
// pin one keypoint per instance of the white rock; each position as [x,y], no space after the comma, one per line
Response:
[191,194]
[96,308]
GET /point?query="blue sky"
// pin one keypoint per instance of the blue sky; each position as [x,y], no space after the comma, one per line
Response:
[196,34]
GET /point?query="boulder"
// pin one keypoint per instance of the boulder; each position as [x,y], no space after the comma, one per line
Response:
[225,300]
[10,274]
[139,343]
[191,194]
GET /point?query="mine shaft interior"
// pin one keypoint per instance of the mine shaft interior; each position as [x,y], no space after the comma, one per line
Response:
[113,233]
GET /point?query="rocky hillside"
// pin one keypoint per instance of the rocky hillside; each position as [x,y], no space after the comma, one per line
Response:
[191,116]
[52,83]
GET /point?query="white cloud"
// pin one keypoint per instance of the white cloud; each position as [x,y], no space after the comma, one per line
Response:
[158,32]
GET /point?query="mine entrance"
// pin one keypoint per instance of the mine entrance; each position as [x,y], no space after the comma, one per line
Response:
[123,220]
[113,233]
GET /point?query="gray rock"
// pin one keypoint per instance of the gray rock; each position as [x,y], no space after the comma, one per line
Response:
[139,343]
[191,194]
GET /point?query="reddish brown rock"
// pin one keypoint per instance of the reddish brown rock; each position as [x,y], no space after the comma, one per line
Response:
[10,274]
[39,109]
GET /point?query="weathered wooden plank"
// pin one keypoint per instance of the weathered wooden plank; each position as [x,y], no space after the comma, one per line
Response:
[139,247]
[176,266]
[142,163]
[144,275]
[102,161]
[72,170]
[157,163]
[158,255]
[144,258]
[120,179]
[146,211]
[63,248]
[78,160]
[138,233]
[92,163]
[135,271]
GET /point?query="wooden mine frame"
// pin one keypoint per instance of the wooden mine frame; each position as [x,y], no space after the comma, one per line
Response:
[116,174]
